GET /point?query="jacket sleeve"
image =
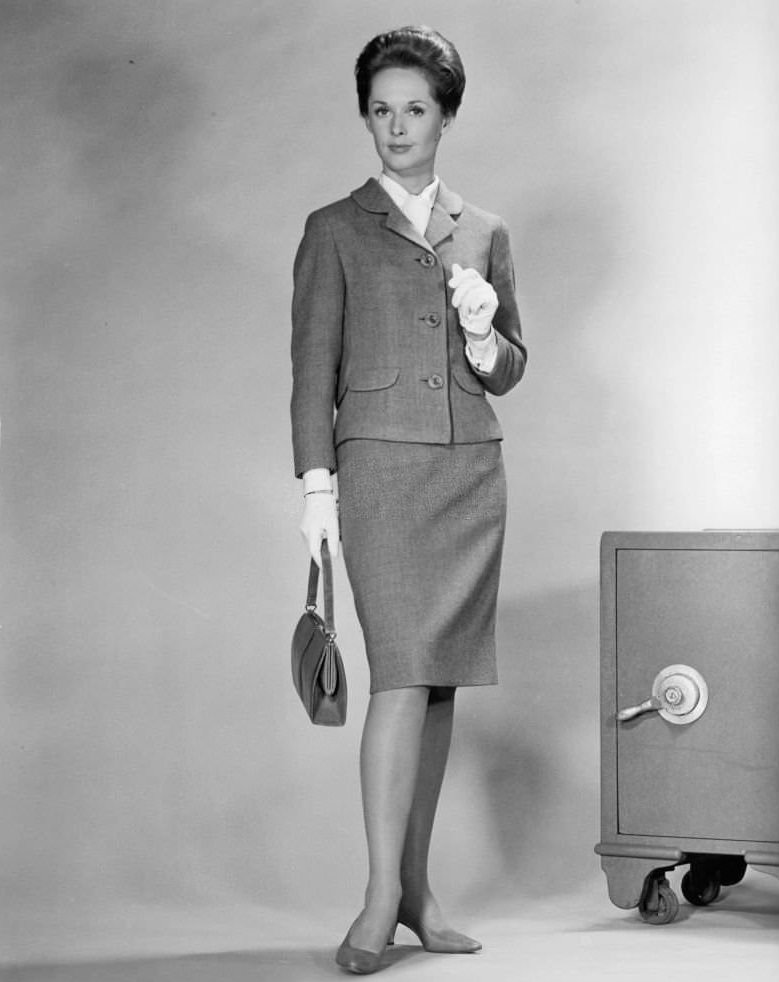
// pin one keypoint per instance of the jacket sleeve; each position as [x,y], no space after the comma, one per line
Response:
[317,329]
[512,354]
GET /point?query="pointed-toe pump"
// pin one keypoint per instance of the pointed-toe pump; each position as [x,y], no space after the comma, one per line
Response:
[360,961]
[442,942]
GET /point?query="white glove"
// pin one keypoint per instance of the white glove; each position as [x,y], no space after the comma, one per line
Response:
[320,521]
[475,300]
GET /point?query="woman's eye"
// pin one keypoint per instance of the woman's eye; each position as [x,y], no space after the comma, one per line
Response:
[381,111]
[417,111]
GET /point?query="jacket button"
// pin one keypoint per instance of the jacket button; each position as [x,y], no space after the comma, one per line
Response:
[432,320]
[428,260]
[435,382]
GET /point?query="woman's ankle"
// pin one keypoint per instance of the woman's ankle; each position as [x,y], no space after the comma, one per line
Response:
[415,894]
[385,896]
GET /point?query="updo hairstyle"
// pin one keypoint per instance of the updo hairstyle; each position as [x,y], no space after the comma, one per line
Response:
[413,47]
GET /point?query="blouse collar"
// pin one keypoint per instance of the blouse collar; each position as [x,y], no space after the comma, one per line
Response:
[401,196]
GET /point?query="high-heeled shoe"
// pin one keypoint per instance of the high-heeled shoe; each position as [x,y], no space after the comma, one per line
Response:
[360,961]
[447,942]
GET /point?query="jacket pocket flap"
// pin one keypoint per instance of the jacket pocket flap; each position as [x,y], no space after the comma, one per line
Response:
[467,380]
[370,379]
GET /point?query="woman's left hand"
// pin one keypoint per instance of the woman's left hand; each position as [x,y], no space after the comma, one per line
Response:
[475,300]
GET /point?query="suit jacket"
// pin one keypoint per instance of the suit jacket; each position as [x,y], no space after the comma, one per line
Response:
[375,338]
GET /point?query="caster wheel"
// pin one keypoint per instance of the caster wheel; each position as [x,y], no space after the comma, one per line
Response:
[660,906]
[732,870]
[699,891]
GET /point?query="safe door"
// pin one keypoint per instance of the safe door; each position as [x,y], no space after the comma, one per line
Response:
[712,772]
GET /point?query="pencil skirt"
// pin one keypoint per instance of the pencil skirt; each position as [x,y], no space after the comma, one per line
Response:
[422,529]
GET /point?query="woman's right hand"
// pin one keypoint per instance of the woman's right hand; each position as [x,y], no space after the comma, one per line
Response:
[320,521]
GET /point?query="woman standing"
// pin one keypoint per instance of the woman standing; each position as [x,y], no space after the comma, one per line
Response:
[403,316]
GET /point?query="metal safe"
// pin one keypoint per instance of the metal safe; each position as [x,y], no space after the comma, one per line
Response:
[689,713]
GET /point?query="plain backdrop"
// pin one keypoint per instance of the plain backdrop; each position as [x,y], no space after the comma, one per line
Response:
[158,160]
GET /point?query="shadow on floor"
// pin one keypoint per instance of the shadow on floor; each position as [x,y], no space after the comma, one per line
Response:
[268,965]
[753,904]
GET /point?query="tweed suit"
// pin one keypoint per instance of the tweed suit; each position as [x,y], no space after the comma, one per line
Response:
[384,395]
[374,331]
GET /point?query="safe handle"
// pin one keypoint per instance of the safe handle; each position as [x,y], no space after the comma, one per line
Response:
[679,694]
[648,706]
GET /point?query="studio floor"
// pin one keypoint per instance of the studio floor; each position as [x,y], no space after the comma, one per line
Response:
[577,936]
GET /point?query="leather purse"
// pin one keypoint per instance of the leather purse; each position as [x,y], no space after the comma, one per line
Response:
[317,667]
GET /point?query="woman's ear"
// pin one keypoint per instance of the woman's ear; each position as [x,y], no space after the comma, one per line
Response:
[446,123]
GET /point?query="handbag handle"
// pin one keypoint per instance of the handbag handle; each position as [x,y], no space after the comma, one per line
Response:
[313,586]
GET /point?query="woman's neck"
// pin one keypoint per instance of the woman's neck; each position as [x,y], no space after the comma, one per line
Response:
[413,183]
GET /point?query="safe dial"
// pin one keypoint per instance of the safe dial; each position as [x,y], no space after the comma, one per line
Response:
[679,694]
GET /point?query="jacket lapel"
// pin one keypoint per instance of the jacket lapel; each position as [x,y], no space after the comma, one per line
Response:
[397,222]
[442,222]
[372,197]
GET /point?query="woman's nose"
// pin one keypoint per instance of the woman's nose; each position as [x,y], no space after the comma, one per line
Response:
[397,125]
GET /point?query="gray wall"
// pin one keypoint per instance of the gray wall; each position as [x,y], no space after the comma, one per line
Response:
[158,162]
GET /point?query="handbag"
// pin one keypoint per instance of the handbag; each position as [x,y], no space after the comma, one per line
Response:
[317,667]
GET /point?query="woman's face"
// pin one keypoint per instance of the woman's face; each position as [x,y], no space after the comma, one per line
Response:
[406,123]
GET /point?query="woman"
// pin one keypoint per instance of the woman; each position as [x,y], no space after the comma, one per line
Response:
[403,315]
